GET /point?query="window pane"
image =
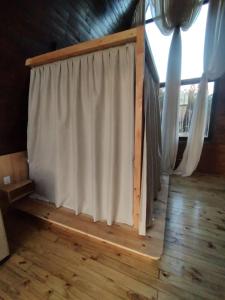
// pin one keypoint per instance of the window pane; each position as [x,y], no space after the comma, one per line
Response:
[188,94]
[148,14]
[192,47]
[160,45]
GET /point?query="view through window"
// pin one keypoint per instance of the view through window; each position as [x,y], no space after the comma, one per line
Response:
[192,65]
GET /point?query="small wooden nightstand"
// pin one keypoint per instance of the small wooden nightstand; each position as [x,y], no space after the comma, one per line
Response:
[12,192]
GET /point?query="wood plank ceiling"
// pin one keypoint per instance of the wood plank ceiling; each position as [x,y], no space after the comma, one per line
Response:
[30,28]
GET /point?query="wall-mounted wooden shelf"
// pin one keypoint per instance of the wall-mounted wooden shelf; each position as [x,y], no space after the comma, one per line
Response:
[12,192]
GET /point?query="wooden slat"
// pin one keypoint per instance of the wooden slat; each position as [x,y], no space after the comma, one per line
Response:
[140,56]
[84,48]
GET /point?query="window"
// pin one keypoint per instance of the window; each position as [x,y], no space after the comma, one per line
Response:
[191,68]
[188,94]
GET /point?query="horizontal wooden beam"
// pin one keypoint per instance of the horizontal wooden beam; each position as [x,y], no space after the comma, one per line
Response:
[108,41]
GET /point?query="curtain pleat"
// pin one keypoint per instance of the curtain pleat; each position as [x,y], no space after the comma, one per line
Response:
[81,133]
[138,18]
[169,14]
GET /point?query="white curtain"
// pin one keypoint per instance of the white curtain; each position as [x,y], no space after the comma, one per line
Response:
[170,16]
[170,110]
[214,67]
[81,133]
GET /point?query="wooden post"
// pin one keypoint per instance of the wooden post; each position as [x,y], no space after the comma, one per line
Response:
[139,58]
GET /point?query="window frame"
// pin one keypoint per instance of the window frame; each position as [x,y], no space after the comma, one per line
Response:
[197,81]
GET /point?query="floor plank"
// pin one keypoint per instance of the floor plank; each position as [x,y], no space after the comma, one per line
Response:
[48,262]
[119,235]
[194,253]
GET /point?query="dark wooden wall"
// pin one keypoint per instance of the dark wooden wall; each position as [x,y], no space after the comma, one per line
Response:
[213,155]
[29,28]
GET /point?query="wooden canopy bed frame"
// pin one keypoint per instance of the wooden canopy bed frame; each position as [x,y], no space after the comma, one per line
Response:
[133,35]
[124,237]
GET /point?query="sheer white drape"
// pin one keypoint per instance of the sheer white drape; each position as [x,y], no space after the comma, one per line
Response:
[81,133]
[170,110]
[170,16]
[214,67]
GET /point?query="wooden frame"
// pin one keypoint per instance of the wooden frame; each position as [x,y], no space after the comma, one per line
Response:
[132,35]
[108,41]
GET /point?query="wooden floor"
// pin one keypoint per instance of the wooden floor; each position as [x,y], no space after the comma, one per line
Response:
[118,235]
[48,263]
